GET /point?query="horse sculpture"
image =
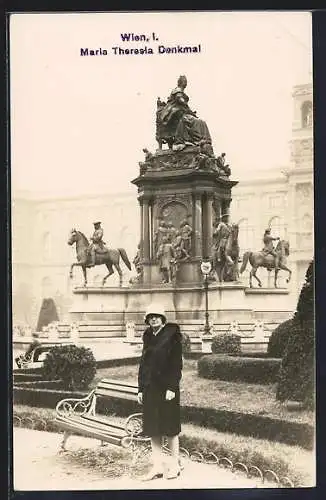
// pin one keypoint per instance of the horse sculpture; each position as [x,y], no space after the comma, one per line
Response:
[110,258]
[261,259]
[227,268]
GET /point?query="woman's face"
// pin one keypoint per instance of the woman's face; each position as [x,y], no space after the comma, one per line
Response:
[155,321]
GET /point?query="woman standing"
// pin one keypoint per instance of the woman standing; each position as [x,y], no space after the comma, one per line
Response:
[158,389]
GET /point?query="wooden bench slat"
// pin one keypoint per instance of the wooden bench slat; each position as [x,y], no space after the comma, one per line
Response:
[114,394]
[116,382]
[118,388]
[99,426]
[105,427]
[102,419]
[91,432]
[84,422]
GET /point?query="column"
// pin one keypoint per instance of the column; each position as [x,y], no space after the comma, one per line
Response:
[141,229]
[209,220]
[218,208]
[198,230]
[226,208]
[151,231]
[146,229]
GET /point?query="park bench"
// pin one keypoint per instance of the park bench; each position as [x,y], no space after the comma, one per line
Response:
[80,416]
[33,358]
[37,352]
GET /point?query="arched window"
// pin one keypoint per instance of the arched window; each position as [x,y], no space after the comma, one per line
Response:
[306,114]
[246,235]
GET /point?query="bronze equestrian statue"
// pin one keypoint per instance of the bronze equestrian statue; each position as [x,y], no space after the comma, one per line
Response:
[225,252]
[271,259]
[110,257]
[97,245]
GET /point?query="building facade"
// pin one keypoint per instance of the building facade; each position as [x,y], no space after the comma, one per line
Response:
[281,199]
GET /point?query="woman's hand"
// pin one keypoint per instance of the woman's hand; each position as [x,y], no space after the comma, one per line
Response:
[140,398]
[169,395]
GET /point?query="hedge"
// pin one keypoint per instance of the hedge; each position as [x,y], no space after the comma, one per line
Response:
[279,338]
[48,314]
[226,343]
[284,460]
[297,374]
[239,368]
[245,424]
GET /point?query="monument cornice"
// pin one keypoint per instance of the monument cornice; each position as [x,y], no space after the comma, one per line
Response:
[181,176]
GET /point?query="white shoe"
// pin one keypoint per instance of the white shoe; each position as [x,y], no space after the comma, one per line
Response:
[172,473]
[154,473]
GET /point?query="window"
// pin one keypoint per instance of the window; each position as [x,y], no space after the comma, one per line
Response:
[46,245]
[277,226]
[306,114]
[306,224]
[246,236]
[275,201]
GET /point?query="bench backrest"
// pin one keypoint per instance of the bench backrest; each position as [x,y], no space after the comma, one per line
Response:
[116,388]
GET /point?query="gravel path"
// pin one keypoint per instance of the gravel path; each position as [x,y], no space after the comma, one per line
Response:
[38,465]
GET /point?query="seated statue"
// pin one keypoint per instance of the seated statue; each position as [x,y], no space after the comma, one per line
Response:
[221,164]
[176,123]
[192,131]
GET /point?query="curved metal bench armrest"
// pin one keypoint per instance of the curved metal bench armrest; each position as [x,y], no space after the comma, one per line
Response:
[78,406]
[134,424]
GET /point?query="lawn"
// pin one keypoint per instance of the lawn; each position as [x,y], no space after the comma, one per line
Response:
[220,394]
[292,461]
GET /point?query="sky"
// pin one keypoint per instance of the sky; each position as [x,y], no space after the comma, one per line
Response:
[78,124]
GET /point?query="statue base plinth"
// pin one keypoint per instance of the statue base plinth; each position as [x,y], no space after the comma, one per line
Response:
[112,308]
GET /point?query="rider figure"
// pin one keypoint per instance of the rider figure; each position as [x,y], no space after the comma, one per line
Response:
[97,243]
[222,233]
[268,245]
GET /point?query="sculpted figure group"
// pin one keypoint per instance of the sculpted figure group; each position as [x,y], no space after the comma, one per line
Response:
[172,246]
[225,254]
[225,250]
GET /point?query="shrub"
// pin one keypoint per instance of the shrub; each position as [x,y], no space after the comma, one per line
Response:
[75,366]
[278,340]
[236,368]
[296,380]
[186,343]
[48,314]
[226,343]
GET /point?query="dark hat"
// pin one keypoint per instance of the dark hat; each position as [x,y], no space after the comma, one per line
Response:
[97,223]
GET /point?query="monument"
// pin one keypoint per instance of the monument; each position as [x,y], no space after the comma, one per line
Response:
[184,195]
[182,191]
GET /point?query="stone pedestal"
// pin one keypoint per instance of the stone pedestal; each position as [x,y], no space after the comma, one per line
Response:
[206,343]
[226,303]
[173,190]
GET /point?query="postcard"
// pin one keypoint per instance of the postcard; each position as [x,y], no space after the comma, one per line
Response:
[162,250]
